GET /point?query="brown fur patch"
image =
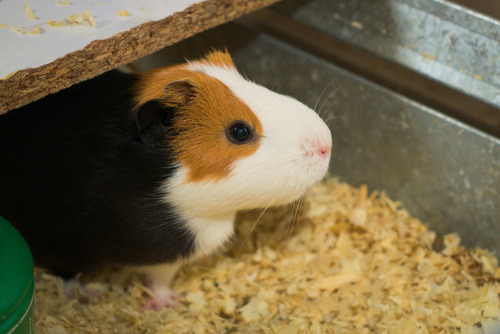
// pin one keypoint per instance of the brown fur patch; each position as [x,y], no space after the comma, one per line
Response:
[152,83]
[205,108]
[219,58]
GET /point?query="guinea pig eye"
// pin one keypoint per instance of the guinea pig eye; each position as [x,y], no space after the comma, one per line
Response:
[239,132]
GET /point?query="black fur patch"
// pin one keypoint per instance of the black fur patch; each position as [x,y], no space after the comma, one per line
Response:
[80,184]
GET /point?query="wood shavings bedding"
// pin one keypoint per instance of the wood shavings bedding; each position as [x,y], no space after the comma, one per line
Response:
[351,262]
[71,20]
[75,19]
[21,30]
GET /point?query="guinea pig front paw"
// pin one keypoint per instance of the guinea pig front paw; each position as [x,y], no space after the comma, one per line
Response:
[164,297]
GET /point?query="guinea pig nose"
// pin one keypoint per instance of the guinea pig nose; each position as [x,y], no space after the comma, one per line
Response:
[317,148]
[324,150]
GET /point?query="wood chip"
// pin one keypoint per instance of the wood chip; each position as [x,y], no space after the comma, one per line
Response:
[124,13]
[82,18]
[30,14]
[23,30]
[71,20]
[351,262]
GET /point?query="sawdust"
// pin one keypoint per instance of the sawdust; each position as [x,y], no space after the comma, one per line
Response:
[30,14]
[68,21]
[123,13]
[75,19]
[22,30]
[351,262]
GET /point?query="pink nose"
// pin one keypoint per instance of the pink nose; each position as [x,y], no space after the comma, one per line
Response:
[324,150]
[317,148]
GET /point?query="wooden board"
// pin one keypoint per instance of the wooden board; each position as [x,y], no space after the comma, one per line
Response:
[101,55]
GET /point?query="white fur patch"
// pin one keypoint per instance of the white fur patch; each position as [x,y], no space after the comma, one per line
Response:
[211,233]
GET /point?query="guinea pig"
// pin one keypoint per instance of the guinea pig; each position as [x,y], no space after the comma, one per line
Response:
[149,170]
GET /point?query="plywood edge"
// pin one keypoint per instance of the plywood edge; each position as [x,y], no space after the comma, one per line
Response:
[99,56]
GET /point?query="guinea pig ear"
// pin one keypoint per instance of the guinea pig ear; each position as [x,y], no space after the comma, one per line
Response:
[152,120]
[178,93]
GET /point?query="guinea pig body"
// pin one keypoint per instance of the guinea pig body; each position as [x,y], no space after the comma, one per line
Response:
[79,185]
[146,170]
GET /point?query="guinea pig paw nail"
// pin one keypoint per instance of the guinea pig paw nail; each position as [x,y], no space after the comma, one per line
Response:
[164,298]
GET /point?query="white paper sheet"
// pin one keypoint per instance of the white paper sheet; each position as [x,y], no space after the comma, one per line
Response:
[20,51]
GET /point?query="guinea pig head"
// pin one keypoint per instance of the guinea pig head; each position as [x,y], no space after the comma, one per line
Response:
[236,145]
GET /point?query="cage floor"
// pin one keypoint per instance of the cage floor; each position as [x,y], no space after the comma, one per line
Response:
[345,261]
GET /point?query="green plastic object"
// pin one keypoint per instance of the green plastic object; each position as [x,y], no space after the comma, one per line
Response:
[16,282]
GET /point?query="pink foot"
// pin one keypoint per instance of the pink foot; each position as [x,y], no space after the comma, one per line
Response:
[164,298]
[157,278]
[71,286]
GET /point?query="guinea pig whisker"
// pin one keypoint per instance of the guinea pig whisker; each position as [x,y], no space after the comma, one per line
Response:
[330,119]
[251,230]
[322,112]
[325,89]
[297,214]
[288,222]
[293,216]
[253,227]
[278,73]
[285,80]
